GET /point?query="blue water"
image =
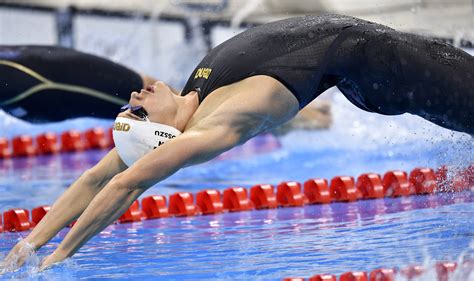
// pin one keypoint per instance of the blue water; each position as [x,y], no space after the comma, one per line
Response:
[271,244]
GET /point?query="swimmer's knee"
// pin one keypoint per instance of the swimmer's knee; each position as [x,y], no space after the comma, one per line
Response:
[94,177]
[121,183]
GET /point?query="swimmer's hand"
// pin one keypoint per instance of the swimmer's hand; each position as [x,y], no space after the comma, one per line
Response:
[50,261]
[17,257]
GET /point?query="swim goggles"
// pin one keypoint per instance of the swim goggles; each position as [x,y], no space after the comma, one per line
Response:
[138,111]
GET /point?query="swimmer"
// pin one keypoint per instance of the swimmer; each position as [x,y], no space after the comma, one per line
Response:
[254,82]
[39,83]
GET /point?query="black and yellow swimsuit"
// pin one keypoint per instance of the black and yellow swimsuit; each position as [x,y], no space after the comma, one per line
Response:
[44,83]
[377,68]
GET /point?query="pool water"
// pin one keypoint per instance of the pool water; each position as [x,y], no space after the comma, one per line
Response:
[267,244]
[271,244]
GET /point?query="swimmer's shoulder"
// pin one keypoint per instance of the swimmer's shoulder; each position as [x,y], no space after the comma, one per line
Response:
[252,104]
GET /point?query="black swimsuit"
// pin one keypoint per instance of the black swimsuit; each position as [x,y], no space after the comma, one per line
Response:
[44,83]
[377,68]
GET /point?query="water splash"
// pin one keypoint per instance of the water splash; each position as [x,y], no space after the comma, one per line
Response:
[358,131]
[30,270]
[26,253]
[429,270]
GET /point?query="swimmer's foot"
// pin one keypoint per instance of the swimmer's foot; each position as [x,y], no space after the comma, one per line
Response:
[17,257]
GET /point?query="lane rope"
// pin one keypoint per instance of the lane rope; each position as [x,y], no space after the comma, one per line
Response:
[289,194]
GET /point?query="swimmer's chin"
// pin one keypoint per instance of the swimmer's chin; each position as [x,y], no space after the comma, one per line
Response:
[128,114]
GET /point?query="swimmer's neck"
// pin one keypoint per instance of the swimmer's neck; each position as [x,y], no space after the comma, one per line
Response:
[187,105]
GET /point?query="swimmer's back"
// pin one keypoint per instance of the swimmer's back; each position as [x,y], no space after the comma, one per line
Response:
[377,68]
[294,51]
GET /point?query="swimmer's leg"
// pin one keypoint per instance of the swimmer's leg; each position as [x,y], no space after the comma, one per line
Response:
[67,208]
[394,73]
[46,83]
[440,82]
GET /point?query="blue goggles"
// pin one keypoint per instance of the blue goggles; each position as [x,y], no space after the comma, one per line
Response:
[138,111]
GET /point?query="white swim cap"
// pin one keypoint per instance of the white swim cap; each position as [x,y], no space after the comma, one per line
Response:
[133,139]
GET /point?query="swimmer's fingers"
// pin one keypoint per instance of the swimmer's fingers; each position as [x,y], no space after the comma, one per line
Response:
[2,268]
[45,264]
[17,257]
[9,266]
[50,261]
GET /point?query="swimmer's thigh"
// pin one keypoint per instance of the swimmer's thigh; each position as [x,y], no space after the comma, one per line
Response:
[399,72]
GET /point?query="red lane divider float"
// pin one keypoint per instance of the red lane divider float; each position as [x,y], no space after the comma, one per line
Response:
[235,199]
[424,180]
[444,272]
[382,274]
[263,196]
[317,191]
[370,186]
[209,201]
[47,143]
[132,214]
[154,207]
[23,146]
[96,139]
[15,220]
[289,194]
[4,149]
[395,183]
[461,180]
[323,277]
[72,141]
[343,189]
[50,143]
[182,204]
[38,213]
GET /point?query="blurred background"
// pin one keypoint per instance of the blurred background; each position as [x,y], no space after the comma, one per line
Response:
[167,38]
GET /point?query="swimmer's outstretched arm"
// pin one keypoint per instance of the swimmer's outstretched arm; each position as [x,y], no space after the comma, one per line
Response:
[192,147]
[66,209]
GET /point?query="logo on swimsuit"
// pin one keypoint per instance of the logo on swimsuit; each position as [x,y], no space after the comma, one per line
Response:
[203,73]
[119,126]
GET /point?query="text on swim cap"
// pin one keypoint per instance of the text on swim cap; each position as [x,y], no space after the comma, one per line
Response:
[121,126]
[164,134]
[159,143]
